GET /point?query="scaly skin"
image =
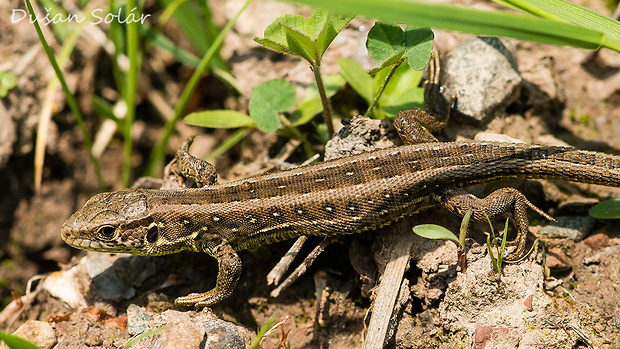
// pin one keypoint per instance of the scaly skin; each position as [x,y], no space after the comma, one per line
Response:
[343,196]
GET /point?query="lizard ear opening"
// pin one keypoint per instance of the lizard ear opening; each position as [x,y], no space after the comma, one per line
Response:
[151,235]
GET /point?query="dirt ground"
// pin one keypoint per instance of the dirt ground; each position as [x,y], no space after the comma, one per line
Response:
[568,95]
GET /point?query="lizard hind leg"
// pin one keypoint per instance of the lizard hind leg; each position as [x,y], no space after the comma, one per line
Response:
[198,170]
[457,200]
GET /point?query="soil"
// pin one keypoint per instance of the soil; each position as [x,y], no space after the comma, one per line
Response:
[568,95]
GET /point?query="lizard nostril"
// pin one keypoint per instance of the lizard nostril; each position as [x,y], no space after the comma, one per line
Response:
[64,232]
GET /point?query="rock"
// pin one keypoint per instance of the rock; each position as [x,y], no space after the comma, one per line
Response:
[115,275]
[137,320]
[113,278]
[597,241]
[557,261]
[496,137]
[483,74]
[40,333]
[222,334]
[495,337]
[360,135]
[183,329]
[528,302]
[66,285]
[568,227]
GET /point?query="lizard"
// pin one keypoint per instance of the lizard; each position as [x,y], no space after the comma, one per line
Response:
[341,196]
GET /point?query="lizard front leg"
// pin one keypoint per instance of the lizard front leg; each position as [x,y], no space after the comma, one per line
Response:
[415,126]
[229,271]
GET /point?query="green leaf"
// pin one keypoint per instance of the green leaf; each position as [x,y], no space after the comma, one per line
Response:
[273,45]
[433,231]
[463,229]
[15,342]
[256,343]
[268,99]
[300,44]
[357,77]
[419,46]
[385,41]
[609,209]
[219,119]
[315,23]
[288,34]
[332,26]
[7,82]
[276,33]
[308,38]
[306,111]
[496,267]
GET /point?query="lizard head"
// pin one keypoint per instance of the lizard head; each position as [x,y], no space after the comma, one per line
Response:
[111,222]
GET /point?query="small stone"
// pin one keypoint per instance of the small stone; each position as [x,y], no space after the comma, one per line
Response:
[360,135]
[222,334]
[568,227]
[496,137]
[40,333]
[527,303]
[495,337]
[552,284]
[483,74]
[138,321]
[557,260]
[597,241]
[93,337]
[593,259]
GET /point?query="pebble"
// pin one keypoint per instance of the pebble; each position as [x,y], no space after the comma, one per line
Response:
[483,74]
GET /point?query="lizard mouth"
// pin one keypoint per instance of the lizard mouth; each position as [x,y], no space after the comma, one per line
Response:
[93,245]
[83,244]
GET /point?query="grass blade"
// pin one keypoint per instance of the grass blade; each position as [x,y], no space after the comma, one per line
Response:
[15,342]
[156,160]
[130,91]
[573,13]
[70,100]
[471,21]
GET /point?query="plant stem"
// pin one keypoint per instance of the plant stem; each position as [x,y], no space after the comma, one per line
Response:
[156,160]
[383,85]
[327,107]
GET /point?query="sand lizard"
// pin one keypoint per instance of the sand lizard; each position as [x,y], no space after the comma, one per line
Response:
[342,196]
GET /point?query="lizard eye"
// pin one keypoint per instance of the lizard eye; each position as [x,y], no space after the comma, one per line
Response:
[107,232]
